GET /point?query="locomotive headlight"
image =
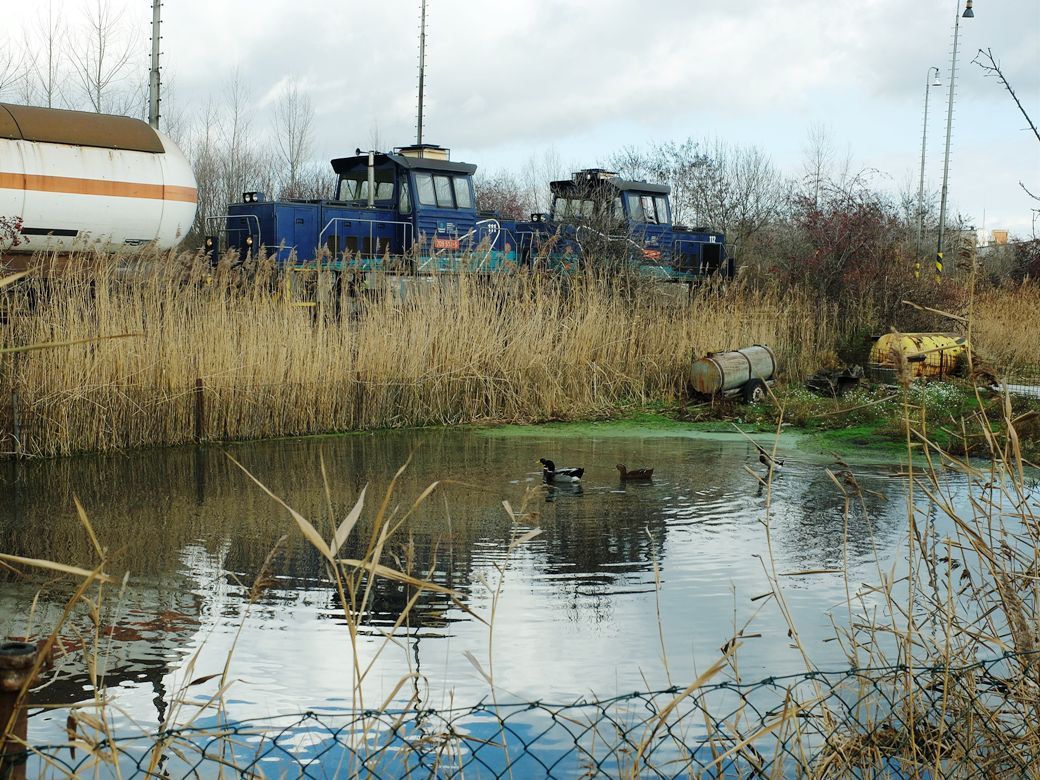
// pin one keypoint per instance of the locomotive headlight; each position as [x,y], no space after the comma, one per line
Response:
[249,240]
[209,242]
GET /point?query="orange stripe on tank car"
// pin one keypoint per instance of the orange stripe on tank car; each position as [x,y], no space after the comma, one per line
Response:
[114,189]
[185,194]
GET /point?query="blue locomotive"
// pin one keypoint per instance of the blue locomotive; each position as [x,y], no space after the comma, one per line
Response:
[414,210]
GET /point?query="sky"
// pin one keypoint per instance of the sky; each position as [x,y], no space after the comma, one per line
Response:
[575,80]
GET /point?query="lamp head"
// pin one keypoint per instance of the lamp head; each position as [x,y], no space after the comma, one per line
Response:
[968,13]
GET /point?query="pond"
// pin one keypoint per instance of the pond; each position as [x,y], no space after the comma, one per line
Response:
[627,587]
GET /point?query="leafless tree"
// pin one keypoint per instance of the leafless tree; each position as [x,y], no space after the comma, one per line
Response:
[293,118]
[103,59]
[46,58]
[819,159]
[538,172]
[12,70]
[375,140]
[504,194]
[715,185]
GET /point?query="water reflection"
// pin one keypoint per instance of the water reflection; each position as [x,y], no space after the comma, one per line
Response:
[579,606]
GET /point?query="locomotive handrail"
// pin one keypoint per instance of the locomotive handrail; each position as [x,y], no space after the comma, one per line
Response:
[225,217]
[406,238]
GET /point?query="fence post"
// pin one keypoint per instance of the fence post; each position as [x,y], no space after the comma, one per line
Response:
[16,422]
[17,660]
[200,411]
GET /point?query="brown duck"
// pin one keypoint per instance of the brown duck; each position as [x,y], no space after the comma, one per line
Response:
[629,476]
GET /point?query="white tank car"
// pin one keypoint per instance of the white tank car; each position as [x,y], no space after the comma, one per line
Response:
[77,180]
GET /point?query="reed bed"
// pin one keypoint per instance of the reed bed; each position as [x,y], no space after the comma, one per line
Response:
[391,352]
[1007,326]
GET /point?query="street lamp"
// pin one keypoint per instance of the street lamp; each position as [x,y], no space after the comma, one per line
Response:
[968,14]
[928,83]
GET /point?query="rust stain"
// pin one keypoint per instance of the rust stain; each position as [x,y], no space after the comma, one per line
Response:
[114,189]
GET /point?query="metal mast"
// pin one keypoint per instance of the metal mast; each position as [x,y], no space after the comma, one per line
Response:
[153,74]
[968,14]
[422,69]
[928,84]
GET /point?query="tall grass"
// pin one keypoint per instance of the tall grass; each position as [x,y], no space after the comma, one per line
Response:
[400,352]
[1007,326]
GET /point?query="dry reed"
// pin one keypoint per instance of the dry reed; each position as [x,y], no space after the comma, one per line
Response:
[1006,325]
[401,352]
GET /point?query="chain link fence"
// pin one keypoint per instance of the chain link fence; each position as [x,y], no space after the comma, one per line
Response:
[1023,382]
[972,721]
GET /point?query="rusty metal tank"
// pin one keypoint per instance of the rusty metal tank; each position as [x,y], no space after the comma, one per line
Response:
[724,373]
[921,355]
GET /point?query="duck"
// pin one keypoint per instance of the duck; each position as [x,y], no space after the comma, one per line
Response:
[552,474]
[634,474]
[767,460]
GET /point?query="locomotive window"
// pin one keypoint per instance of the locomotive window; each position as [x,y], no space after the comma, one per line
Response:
[463,196]
[635,207]
[424,186]
[648,208]
[573,208]
[354,185]
[663,217]
[442,184]
[349,189]
[404,201]
[647,203]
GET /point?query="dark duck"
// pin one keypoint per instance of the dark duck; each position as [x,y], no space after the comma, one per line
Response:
[634,474]
[767,460]
[552,474]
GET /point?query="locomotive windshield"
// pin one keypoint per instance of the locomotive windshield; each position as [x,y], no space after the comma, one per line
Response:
[650,209]
[565,208]
[444,191]
[353,185]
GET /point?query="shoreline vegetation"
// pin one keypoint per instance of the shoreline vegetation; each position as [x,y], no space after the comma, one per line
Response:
[172,351]
[942,649]
[942,653]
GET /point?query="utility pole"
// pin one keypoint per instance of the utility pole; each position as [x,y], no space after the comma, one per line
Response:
[968,14]
[928,84]
[153,75]
[422,69]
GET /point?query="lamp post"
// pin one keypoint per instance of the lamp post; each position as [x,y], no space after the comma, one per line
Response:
[928,84]
[968,14]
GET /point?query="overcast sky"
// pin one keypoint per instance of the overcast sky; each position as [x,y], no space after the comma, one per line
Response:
[508,80]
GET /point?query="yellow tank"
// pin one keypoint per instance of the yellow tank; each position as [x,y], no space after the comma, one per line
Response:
[921,355]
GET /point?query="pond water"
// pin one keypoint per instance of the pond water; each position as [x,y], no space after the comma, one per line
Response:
[627,587]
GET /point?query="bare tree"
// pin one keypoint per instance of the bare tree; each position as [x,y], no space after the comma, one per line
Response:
[293,118]
[504,194]
[818,160]
[44,75]
[538,172]
[103,61]
[715,185]
[375,140]
[12,70]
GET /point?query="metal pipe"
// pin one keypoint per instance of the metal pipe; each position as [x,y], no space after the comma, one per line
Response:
[371,179]
[928,84]
[153,75]
[949,127]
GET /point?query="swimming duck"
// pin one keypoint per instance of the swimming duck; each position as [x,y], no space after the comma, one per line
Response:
[634,474]
[552,474]
[767,460]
